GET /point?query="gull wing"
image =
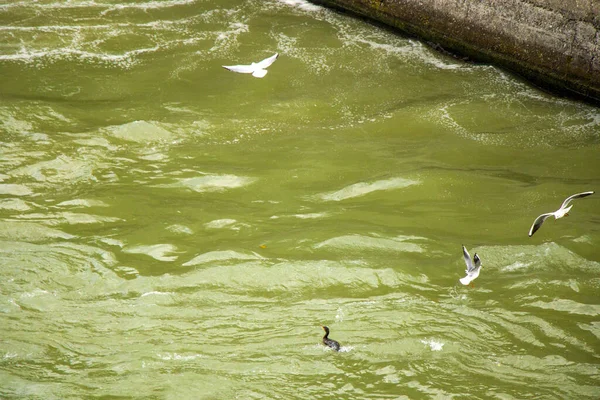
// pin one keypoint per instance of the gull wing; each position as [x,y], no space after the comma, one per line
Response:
[468,261]
[242,69]
[477,261]
[575,196]
[538,223]
[259,73]
[267,61]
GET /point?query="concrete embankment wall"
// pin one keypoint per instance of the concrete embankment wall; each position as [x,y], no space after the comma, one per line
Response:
[553,43]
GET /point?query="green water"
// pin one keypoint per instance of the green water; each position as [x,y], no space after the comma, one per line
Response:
[173,230]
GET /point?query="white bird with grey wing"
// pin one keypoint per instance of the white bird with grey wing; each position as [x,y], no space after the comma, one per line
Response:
[473,267]
[561,212]
[258,70]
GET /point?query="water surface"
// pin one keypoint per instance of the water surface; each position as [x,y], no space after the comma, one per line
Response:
[169,229]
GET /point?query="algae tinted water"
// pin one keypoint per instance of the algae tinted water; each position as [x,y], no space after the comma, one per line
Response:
[170,229]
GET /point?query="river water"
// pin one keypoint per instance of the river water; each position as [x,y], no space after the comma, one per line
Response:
[173,230]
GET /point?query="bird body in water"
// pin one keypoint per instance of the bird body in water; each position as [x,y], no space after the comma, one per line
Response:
[330,342]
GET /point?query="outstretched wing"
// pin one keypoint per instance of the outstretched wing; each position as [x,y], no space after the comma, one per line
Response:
[267,61]
[242,69]
[477,261]
[575,196]
[538,223]
[259,73]
[468,261]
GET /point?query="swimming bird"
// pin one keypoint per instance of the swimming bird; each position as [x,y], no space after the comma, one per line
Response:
[473,267]
[330,342]
[258,70]
[563,211]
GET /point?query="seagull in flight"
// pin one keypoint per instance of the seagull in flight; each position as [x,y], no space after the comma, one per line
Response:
[473,267]
[563,211]
[258,70]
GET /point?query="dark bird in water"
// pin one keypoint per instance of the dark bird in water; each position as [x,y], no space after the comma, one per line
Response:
[330,342]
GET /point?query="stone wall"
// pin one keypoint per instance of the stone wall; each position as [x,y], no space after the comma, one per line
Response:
[553,43]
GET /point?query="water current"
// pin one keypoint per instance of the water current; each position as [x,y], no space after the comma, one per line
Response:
[173,230]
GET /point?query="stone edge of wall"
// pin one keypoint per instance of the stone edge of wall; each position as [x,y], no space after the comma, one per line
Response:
[543,78]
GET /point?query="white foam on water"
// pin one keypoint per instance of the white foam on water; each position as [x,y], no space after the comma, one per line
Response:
[40,57]
[57,5]
[155,293]
[227,40]
[339,316]
[316,61]
[178,357]
[302,5]
[149,5]
[433,344]
[311,215]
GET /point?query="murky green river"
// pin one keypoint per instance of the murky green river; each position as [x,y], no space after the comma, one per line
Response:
[173,230]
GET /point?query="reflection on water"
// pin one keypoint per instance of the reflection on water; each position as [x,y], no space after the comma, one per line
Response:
[169,229]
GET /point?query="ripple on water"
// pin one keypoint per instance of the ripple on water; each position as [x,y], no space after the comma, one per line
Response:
[260,274]
[141,132]
[211,183]
[547,256]
[14,204]
[221,256]
[15,189]
[180,229]
[61,169]
[569,306]
[363,188]
[69,218]
[30,231]
[84,203]
[157,251]
[220,223]
[363,242]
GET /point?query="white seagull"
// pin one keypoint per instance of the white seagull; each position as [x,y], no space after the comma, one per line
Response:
[561,212]
[473,267]
[258,70]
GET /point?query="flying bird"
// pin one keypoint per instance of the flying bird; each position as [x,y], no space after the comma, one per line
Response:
[258,70]
[473,267]
[330,342]
[563,211]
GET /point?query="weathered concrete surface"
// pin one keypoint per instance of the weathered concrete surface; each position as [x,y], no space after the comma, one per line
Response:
[553,43]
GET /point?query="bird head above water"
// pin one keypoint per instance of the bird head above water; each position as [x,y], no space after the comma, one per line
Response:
[330,342]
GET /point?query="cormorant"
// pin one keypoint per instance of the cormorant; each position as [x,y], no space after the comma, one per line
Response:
[330,342]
